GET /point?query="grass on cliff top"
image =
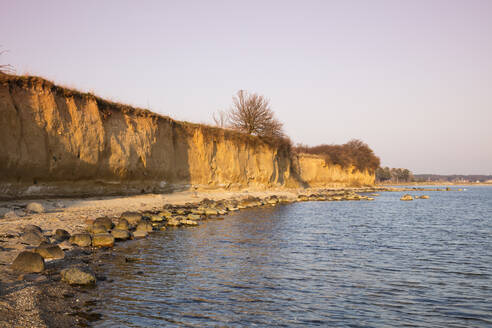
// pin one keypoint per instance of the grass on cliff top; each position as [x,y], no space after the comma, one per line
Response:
[106,107]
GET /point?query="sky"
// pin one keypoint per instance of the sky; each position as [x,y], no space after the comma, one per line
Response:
[412,79]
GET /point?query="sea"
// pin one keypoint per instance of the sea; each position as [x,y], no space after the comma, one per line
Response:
[381,263]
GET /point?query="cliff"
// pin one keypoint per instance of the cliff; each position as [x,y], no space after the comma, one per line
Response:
[316,173]
[57,141]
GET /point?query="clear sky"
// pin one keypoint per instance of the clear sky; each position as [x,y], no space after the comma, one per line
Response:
[413,79]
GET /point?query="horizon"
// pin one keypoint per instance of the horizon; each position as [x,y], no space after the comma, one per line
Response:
[349,62]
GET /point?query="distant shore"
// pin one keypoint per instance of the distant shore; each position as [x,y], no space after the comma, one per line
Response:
[433,183]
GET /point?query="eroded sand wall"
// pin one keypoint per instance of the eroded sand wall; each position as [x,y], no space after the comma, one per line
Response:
[55,141]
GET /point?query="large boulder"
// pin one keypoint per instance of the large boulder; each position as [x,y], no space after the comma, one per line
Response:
[122,224]
[132,217]
[35,208]
[28,262]
[98,228]
[120,234]
[103,240]
[78,276]
[32,227]
[81,239]
[104,221]
[50,251]
[33,238]
[144,226]
[61,235]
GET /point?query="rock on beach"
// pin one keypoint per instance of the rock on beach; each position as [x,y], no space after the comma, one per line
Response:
[78,276]
[81,239]
[28,262]
[50,251]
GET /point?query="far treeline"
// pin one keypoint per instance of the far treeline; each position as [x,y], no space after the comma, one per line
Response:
[251,113]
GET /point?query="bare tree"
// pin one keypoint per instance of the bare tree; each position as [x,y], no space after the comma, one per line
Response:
[221,119]
[251,113]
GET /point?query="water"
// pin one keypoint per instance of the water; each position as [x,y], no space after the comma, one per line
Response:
[386,263]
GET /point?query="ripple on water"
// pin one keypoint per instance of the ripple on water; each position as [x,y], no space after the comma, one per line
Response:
[384,263]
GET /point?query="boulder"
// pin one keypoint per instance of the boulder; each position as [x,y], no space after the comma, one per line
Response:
[105,222]
[122,224]
[32,227]
[10,215]
[81,239]
[155,218]
[188,222]
[28,262]
[140,234]
[78,276]
[33,238]
[194,217]
[98,228]
[132,217]
[423,197]
[165,214]
[35,208]
[144,226]
[103,240]
[119,234]
[61,235]
[174,221]
[406,197]
[50,251]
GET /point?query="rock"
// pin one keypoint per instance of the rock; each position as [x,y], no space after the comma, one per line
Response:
[180,211]
[98,228]
[144,226]
[162,228]
[59,205]
[122,224]
[165,214]
[105,222]
[119,234]
[32,227]
[188,222]
[194,217]
[103,240]
[140,234]
[33,238]
[81,239]
[174,221]
[61,235]
[423,197]
[35,208]
[155,218]
[10,215]
[132,217]
[210,211]
[50,251]
[28,262]
[406,197]
[78,276]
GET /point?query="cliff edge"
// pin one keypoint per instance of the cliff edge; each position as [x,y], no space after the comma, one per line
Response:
[60,142]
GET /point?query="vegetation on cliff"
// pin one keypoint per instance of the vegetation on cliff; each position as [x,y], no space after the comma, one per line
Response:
[354,153]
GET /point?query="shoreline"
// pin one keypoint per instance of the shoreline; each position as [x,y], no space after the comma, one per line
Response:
[43,300]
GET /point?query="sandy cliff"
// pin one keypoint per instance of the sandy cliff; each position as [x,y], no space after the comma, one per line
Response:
[56,141]
[316,173]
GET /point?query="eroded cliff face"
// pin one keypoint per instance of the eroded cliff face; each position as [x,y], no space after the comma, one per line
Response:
[316,173]
[55,141]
